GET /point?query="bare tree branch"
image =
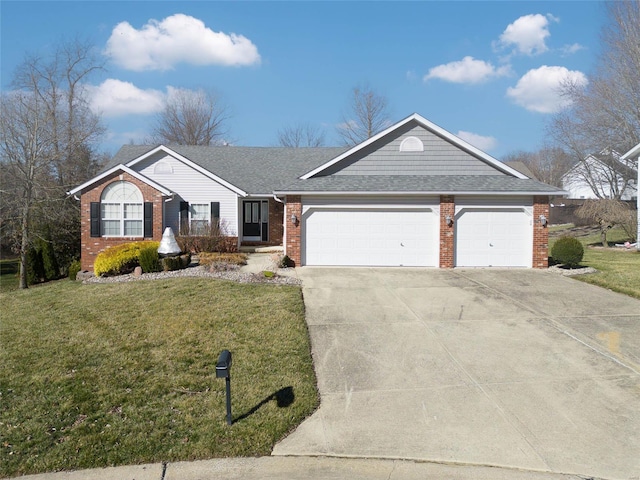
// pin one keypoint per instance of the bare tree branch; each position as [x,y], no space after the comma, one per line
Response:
[191,117]
[46,136]
[301,135]
[367,115]
[605,116]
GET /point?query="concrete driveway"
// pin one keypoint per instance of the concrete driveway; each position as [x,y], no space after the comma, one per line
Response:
[514,368]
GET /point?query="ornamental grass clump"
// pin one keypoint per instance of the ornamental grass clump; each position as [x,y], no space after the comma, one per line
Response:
[121,259]
[568,251]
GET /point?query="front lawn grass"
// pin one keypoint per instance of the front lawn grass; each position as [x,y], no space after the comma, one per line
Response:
[112,374]
[9,268]
[618,268]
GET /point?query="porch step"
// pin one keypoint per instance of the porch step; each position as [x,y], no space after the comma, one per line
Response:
[269,249]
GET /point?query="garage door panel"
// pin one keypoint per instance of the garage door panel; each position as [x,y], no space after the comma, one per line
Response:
[493,237]
[376,237]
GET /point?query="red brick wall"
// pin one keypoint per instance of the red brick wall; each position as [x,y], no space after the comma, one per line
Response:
[276,225]
[92,246]
[540,232]
[292,248]
[447,243]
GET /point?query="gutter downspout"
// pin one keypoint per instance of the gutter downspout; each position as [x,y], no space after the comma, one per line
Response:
[284,223]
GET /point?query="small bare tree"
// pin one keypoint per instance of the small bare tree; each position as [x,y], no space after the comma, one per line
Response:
[191,117]
[606,213]
[547,164]
[301,135]
[367,115]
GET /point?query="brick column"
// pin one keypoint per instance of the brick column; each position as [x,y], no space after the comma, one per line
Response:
[294,234]
[447,233]
[540,232]
[276,227]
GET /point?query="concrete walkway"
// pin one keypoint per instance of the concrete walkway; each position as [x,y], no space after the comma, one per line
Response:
[521,369]
[300,468]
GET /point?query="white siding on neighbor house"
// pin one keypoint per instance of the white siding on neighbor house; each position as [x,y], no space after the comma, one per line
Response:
[601,177]
[191,186]
[438,158]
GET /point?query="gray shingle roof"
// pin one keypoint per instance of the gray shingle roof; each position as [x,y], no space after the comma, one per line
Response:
[256,170]
[421,184]
[264,170]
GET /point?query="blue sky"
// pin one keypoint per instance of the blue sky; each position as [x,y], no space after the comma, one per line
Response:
[486,71]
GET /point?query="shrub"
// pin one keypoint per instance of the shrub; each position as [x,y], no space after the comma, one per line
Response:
[209,258]
[568,251]
[285,262]
[49,262]
[121,259]
[169,264]
[74,268]
[214,239]
[35,266]
[149,260]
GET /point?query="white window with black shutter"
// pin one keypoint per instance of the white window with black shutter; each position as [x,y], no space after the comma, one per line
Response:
[199,218]
[121,212]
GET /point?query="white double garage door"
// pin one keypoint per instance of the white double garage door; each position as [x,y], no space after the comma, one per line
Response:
[346,231]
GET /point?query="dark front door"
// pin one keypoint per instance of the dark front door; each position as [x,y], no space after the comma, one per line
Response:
[252,221]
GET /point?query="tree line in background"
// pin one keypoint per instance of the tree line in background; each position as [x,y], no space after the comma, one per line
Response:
[48,141]
[49,136]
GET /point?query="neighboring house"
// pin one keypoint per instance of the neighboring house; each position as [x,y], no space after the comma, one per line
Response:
[412,195]
[628,157]
[601,176]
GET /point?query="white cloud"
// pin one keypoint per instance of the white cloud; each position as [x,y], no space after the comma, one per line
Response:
[539,89]
[179,38]
[571,49]
[479,141]
[467,70]
[114,98]
[527,34]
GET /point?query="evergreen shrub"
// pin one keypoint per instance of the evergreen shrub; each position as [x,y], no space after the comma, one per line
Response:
[74,268]
[149,259]
[121,259]
[568,251]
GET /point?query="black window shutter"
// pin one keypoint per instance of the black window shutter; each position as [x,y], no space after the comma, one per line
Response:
[215,210]
[148,219]
[95,219]
[184,218]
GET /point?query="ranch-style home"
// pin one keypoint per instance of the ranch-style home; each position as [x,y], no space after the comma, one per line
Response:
[412,195]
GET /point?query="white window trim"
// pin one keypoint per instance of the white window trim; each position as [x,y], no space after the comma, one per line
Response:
[120,203]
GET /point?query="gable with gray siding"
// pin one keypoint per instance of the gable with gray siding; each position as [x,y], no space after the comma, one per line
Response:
[440,157]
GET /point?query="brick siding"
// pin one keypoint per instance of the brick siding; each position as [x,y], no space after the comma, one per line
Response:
[292,248]
[447,233]
[92,246]
[540,232]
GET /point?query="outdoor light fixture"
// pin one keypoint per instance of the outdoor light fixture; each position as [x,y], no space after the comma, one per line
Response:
[294,218]
[543,220]
[449,220]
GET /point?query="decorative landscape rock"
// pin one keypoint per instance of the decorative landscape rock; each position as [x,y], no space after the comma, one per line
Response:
[137,271]
[168,245]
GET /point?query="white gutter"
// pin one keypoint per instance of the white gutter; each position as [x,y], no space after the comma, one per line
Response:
[558,193]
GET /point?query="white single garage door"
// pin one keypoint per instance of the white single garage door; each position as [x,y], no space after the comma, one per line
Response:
[493,237]
[370,237]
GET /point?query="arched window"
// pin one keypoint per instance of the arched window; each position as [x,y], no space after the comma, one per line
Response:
[163,167]
[412,144]
[121,210]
